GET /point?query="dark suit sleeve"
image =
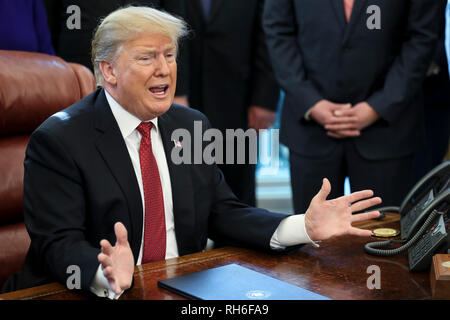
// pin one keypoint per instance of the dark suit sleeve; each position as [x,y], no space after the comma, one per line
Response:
[405,76]
[265,89]
[54,210]
[232,222]
[280,26]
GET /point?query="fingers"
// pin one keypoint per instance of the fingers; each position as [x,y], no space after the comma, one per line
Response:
[121,234]
[341,127]
[324,190]
[104,256]
[104,260]
[356,196]
[360,232]
[113,285]
[117,288]
[341,120]
[108,272]
[365,216]
[113,280]
[364,204]
[106,247]
[340,106]
[344,134]
[347,112]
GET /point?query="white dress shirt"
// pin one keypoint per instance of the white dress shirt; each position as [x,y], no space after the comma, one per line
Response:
[291,230]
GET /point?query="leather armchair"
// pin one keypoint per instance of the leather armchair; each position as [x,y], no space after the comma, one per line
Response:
[33,86]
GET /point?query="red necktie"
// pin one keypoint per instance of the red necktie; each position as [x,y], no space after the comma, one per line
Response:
[348,6]
[154,224]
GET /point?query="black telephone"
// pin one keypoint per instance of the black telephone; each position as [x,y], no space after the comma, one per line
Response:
[424,221]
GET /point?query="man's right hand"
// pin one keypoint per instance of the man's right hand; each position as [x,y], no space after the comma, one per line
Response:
[323,112]
[118,261]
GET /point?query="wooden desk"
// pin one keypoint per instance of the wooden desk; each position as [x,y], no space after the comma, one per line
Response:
[338,269]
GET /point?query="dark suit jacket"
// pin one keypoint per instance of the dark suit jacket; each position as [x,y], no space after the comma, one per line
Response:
[437,86]
[317,55]
[226,67]
[79,181]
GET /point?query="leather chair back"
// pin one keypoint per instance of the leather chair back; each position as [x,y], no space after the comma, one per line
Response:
[33,86]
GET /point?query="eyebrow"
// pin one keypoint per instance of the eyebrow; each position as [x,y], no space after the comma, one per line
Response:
[154,50]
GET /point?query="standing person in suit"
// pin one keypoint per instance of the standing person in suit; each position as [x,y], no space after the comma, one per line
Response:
[225,72]
[352,71]
[100,170]
[436,89]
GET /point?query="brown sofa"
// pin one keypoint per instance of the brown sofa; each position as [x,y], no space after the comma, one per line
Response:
[33,86]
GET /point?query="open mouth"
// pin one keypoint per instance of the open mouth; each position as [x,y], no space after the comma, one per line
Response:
[159,91]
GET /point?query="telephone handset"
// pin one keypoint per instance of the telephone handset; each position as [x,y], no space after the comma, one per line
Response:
[413,209]
[425,220]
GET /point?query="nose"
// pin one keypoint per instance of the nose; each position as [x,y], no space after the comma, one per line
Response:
[162,66]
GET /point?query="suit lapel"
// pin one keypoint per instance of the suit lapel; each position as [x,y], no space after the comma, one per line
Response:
[181,183]
[112,147]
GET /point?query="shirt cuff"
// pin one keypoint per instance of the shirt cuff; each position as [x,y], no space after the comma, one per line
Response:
[307,115]
[100,286]
[291,232]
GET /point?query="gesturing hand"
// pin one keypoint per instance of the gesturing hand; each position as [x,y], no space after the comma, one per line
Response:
[117,262]
[329,218]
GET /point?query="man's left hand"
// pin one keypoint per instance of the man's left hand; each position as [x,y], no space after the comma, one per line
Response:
[325,219]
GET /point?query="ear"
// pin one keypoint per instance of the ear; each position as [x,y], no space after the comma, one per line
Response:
[108,72]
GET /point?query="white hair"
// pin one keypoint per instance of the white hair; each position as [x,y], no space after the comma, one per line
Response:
[126,24]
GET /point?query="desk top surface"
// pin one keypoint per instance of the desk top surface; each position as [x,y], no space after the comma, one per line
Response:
[338,269]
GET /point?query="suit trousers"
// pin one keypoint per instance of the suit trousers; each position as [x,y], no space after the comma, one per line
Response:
[390,179]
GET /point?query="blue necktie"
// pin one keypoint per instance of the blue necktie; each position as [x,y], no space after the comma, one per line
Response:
[206,4]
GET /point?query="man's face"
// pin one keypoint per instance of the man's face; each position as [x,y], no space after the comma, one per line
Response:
[143,77]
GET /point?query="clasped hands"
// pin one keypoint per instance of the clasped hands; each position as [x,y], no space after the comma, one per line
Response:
[343,120]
